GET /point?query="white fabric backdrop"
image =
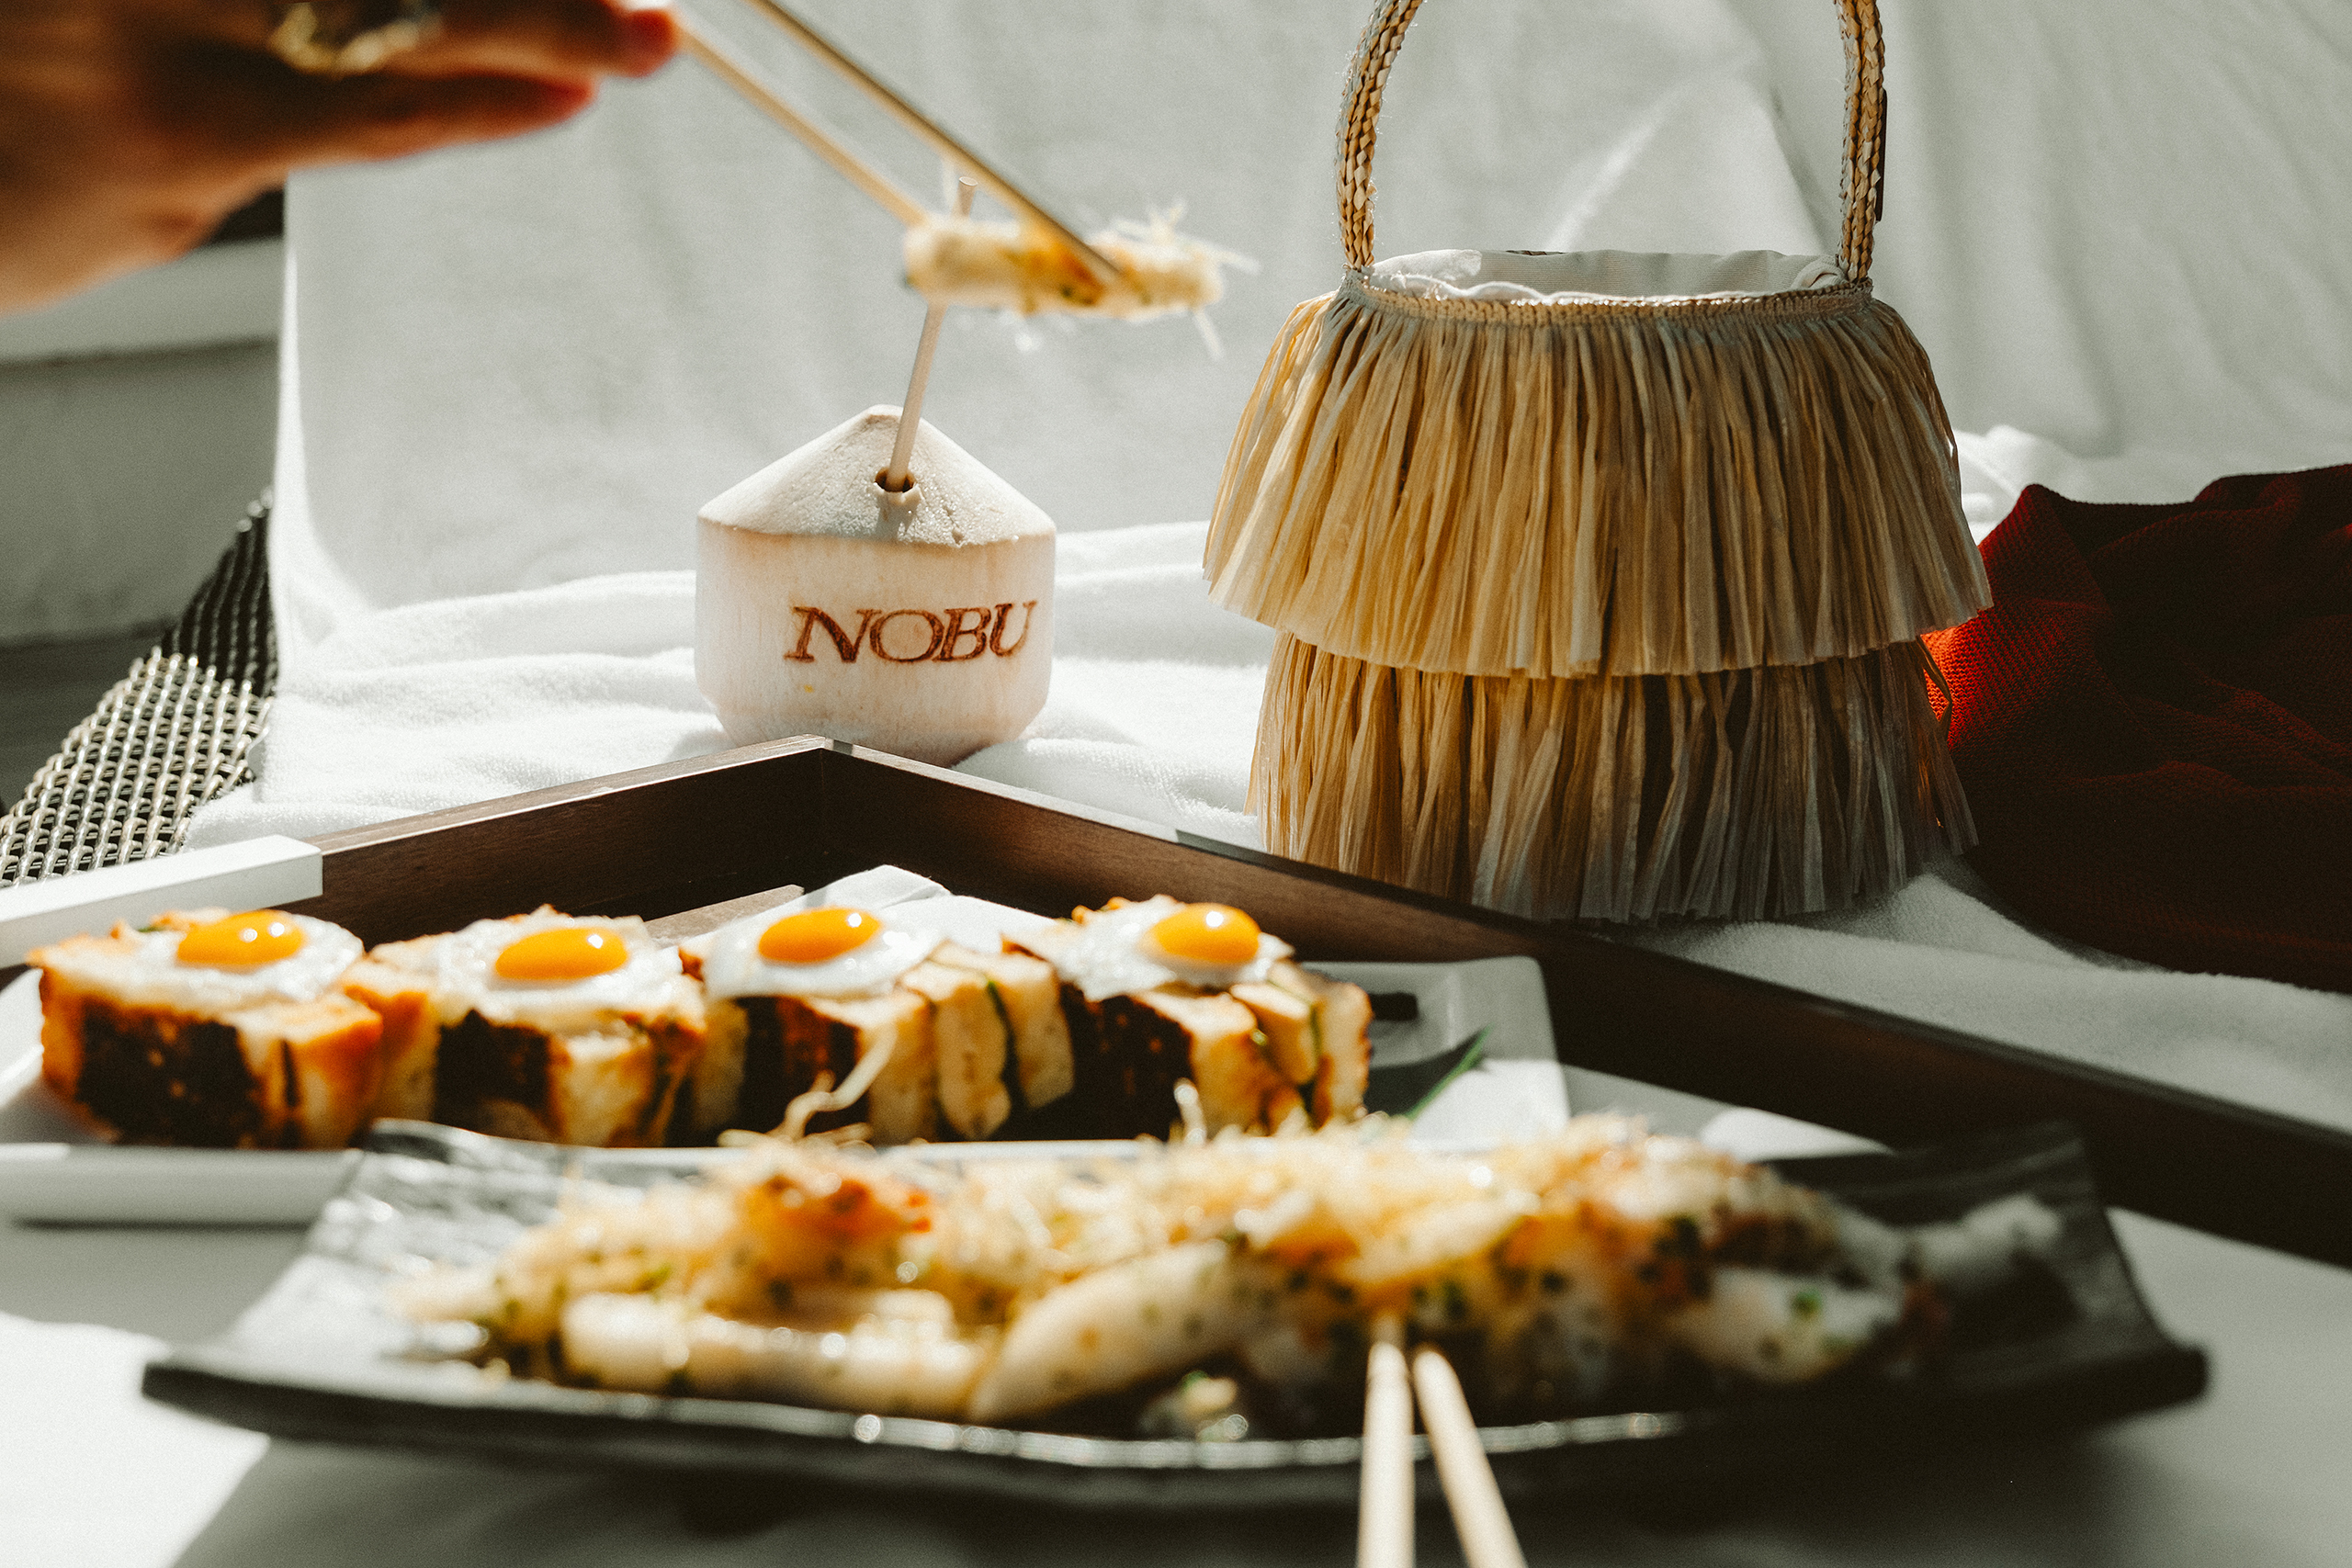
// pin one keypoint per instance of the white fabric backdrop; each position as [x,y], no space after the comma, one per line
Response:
[513,374]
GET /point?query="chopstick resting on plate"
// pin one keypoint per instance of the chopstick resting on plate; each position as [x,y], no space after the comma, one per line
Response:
[1479,1518]
[1384,1500]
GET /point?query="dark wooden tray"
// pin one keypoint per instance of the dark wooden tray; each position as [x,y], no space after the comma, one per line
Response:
[674,839]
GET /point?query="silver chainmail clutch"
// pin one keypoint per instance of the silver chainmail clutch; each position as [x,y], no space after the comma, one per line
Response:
[171,734]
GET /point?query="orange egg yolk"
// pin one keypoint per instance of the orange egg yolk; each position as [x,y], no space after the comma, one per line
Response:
[1208,934]
[567,952]
[261,936]
[814,935]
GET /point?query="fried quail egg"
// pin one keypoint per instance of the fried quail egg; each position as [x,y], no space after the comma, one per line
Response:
[556,972]
[264,955]
[1140,947]
[819,953]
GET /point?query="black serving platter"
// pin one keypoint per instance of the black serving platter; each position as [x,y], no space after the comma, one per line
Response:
[322,1357]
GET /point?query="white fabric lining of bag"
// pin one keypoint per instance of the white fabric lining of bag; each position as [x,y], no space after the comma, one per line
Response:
[1581,277]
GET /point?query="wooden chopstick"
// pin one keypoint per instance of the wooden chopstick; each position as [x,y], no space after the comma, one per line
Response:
[729,68]
[1479,1518]
[939,142]
[1384,1500]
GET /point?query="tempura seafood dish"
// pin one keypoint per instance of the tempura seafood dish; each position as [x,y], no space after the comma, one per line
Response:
[1005,266]
[1223,1285]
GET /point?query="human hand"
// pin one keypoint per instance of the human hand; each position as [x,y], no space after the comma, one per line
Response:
[128,129]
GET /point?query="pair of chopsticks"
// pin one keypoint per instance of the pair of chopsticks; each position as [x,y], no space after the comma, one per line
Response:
[1385,1506]
[731,69]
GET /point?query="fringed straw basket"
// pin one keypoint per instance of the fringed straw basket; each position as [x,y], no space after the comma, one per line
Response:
[1602,577]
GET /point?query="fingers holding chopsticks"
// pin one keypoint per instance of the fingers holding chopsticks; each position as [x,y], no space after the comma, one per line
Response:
[130,128]
[554,40]
[560,38]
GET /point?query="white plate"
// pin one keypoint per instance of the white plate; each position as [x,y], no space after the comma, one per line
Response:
[53,1170]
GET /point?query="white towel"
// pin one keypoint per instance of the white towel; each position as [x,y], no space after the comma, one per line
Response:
[410,709]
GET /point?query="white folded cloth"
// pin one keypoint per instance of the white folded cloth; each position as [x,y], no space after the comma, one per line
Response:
[1152,712]
[423,706]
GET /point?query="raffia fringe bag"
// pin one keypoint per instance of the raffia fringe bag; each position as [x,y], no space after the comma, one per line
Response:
[1601,575]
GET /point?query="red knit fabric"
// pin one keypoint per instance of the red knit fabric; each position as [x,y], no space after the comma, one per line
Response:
[2154,722]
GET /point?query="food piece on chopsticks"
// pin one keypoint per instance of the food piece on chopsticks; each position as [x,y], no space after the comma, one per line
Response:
[1008,265]
[559,1028]
[210,1031]
[1159,991]
[1597,1265]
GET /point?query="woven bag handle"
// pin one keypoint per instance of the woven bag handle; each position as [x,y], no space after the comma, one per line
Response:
[1859,182]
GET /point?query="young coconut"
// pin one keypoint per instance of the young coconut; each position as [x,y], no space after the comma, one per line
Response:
[919,623]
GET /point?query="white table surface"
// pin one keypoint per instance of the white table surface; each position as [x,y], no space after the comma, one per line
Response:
[2256,1473]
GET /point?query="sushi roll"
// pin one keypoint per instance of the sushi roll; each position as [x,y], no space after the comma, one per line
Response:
[820,992]
[553,1027]
[1158,991]
[211,1030]
[1073,1029]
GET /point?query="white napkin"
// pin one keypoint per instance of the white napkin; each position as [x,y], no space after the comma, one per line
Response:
[1943,950]
[428,706]
[89,1472]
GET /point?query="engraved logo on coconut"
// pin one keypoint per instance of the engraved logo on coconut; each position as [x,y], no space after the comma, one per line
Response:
[916,637]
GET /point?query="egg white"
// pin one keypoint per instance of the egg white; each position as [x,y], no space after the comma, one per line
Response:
[1114,953]
[151,974]
[733,965]
[650,983]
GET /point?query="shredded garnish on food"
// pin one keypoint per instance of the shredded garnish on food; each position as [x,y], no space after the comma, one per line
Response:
[1560,1272]
[1592,1264]
[1005,266]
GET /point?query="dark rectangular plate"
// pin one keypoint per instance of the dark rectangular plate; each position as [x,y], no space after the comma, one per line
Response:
[322,1357]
